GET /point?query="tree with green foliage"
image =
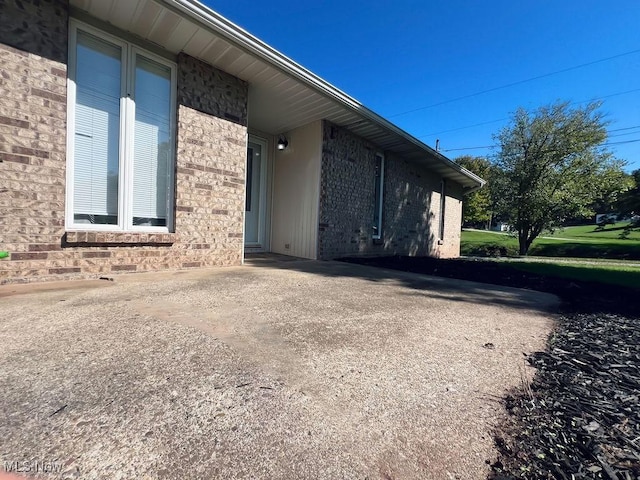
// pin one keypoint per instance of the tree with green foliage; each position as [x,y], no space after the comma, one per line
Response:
[477,207]
[628,202]
[612,187]
[549,167]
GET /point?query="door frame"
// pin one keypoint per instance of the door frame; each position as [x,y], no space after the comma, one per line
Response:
[261,244]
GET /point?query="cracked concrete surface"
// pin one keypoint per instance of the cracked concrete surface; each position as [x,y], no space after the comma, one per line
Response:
[288,370]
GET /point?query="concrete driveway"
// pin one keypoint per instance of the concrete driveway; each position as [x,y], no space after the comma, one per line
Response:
[281,370]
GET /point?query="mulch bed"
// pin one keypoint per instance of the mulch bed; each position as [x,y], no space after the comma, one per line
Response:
[580,417]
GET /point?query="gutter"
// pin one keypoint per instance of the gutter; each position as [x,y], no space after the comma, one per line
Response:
[240,37]
[467,191]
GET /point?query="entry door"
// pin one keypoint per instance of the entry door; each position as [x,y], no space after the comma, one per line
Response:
[254,220]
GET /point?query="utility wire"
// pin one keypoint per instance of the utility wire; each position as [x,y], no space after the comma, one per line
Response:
[496,146]
[493,146]
[621,142]
[507,118]
[519,82]
[624,128]
[463,128]
[622,134]
[467,148]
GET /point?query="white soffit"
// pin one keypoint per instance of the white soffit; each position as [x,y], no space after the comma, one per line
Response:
[282,94]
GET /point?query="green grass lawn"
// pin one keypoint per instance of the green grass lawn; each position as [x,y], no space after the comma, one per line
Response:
[573,243]
[570,242]
[610,233]
[627,276]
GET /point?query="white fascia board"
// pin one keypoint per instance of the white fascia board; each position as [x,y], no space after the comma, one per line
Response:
[237,35]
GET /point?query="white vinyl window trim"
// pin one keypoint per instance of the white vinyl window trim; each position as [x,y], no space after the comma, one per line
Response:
[379,196]
[126,200]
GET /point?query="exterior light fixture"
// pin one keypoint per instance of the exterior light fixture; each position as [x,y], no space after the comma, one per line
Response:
[283,143]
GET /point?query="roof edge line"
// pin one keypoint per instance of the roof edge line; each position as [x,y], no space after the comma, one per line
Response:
[238,35]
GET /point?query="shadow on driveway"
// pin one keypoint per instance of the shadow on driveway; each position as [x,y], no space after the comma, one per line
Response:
[281,368]
[426,285]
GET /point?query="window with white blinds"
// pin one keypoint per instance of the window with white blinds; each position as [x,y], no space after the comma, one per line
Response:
[121,121]
[152,136]
[97,125]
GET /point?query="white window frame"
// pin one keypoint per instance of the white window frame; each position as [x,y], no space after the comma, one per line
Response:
[127,121]
[380,199]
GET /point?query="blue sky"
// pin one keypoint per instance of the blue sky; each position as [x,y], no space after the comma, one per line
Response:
[412,61]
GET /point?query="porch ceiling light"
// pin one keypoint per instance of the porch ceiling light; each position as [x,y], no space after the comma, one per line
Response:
[283,143]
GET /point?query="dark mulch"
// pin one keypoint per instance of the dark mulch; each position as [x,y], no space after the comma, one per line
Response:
[580,418]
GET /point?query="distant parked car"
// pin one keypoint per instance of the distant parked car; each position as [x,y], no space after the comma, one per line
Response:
[606,218]
[501,227]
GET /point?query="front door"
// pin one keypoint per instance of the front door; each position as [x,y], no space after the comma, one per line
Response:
[255,203]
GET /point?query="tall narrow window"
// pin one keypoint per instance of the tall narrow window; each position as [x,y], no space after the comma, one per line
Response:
[442,207]
[96,132]
[378,192]
[121,115]
[152,143]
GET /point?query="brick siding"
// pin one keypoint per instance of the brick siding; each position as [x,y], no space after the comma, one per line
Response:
[210,163]
[210,173]
[411,203]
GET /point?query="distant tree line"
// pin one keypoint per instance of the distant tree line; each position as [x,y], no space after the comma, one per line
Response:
[550,168]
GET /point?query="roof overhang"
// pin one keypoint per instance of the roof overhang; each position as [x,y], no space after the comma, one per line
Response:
[283,95]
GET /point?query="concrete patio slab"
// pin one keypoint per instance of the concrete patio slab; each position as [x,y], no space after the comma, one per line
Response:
[286,370]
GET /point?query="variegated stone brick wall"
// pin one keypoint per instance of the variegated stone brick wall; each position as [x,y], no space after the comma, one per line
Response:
[211,91]
[411,203]
[210,163]
[412,211]
[36,26]
[346,194]
[33,51]
[212,152]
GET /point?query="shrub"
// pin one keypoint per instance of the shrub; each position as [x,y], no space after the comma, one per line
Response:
[492,250]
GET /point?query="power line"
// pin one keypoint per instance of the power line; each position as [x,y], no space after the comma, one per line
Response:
[468,148]
[624,128]
[480,147]
[622,134]
[519,82]
[464,128]
[614,130]
[507,118]
[621,142]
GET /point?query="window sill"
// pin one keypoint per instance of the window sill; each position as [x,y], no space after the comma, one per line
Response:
[115,239]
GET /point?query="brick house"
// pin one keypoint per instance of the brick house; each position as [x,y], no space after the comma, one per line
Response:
[140,135]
